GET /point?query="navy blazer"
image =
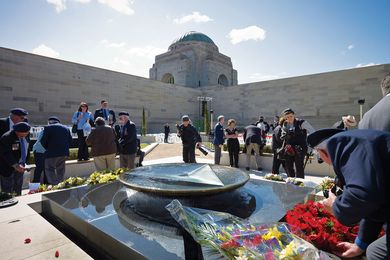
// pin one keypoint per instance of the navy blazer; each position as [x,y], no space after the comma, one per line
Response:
[252,134]
[56,140]
[360,160]
[128,138]
[99,113]
[218,134]
[9,152]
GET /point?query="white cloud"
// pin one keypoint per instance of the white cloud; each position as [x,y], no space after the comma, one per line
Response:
[82,1]
[351,46]
[147,51]
[60,5]
[195,17]
[249,33]
[263,77]
[361,65]
[121,61]
[113,44]
[122,6]
[45,51]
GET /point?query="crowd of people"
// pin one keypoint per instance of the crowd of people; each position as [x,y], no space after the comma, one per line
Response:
[360,158]
[51,148]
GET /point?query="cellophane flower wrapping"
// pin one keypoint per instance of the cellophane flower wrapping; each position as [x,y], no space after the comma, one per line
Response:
[235,238]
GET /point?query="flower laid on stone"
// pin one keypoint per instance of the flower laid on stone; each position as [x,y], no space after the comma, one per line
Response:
[57,254]
[273,177]
[95,178]
[27,241]
[296,181]
[319,226]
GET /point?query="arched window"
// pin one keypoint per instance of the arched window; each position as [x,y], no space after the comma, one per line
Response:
[168,78]
[222,80]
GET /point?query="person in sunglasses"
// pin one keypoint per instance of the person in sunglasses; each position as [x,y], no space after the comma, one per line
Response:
[361,161]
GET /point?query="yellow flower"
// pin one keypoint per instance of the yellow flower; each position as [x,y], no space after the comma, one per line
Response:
[273,233]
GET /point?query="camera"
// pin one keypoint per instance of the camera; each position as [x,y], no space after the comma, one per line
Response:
[361,101]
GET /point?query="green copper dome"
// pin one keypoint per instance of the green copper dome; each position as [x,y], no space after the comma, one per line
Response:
[193,36]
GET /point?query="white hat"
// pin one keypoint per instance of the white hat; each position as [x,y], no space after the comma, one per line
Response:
[349,121]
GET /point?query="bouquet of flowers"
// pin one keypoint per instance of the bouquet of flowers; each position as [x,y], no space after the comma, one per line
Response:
[295,181]
[235,238]
[273,177]
[319,226]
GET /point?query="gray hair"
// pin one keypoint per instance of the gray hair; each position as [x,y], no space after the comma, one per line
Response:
[385,85]
[220,117]
[99,121]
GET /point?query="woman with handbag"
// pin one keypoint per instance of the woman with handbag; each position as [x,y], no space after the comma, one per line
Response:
[83,119]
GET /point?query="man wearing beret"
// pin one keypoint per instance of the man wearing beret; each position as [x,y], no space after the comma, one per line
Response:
[360,159]
[127,138]
[13,157]
[190,139]
[16,115]
[56,140]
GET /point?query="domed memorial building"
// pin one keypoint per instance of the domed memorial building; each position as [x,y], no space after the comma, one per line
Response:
[194,61]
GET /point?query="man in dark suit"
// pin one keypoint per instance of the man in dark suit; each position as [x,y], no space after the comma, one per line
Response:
[56,140]
[127,141]
[106,113]
[166,132]
[253,141]
[16,115]
[378,117]
[13,157]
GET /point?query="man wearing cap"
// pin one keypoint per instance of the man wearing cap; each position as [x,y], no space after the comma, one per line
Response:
[56,140]
[13,157]
[292,134]
[16,115]
[360,159]
[127,138]
[218,139]
[190,138]
[345,122]
[378,117]
[107,114]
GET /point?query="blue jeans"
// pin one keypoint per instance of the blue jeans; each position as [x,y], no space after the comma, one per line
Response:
[12,183]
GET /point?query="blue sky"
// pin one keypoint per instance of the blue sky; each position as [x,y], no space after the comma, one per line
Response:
[265,39]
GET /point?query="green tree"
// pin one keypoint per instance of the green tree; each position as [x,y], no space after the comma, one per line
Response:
[206,119]
[144,125]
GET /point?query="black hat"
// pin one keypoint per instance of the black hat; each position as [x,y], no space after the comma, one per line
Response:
[19,112]
[54,118]
[287,111]
[123,113]
[185,118]
[21,127]
[319,136]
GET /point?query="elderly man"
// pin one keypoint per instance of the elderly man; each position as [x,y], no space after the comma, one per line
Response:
[103,143]
[127,135]
[56,140]
[218,139]
[378,117]
[360,159]
[16,115]
[13,157]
